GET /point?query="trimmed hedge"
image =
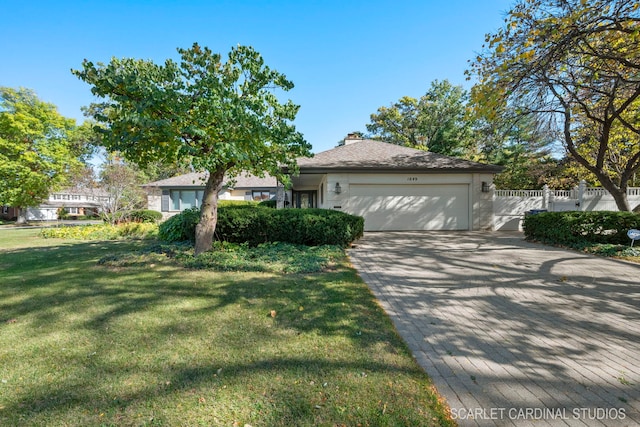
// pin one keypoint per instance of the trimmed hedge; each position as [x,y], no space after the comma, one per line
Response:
[580,228]
[269,203]
[255,225]
[144,215]
[181,227]
[139,215]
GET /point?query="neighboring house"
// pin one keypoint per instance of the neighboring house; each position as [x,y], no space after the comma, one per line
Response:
[176,194]
[75,202]
[392,187]
[397,188]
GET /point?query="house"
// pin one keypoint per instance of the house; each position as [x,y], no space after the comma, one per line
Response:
[396,188]
[392,187]
[176,194]
[74,202]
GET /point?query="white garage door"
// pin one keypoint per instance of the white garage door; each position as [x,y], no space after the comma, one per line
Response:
[411,207]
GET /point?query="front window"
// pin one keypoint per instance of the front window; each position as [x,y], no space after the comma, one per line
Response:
[185,199]
[258,196]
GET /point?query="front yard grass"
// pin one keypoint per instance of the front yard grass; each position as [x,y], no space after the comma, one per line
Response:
[89,343]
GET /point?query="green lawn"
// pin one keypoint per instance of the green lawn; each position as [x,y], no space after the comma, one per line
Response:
[83,343]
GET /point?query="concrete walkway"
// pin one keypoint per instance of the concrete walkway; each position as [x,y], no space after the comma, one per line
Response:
[513,333]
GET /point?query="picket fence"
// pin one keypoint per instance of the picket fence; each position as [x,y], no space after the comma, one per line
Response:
[510,206]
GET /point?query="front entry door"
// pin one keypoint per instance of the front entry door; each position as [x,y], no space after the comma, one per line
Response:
[304,199]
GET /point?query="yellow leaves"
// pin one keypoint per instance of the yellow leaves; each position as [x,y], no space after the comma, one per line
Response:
[527,55]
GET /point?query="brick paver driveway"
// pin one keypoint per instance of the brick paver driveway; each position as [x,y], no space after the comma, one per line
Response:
[513,333]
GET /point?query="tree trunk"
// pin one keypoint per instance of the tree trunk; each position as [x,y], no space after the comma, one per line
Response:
[619,193]
[208,212]
[21,216]
[620,196]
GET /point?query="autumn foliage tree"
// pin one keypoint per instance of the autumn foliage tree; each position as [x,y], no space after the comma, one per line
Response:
[575,63]
[218,116]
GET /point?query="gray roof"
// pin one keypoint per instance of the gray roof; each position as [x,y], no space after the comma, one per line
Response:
[369,154]
[84,191]
[362,155]
[198,179]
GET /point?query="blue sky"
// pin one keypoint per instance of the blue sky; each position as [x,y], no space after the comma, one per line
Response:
[346,58]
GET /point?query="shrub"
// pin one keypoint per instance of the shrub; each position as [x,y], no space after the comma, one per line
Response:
[268,204]
[248,224]
[144,215]
[226,203]
[180,227]
[274,257]
[102,232]
[62,213]
[139,215]
[580,228]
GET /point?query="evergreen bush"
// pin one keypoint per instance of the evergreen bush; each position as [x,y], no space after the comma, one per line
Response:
[144,215]
[578,229]
[256,225]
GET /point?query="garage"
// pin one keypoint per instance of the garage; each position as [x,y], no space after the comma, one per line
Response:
[397,188]
[411,207]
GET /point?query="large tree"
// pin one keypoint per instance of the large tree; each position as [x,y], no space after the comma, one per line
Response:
[436,122]
[577,64]
[39,149]
[521,147]
[221,117]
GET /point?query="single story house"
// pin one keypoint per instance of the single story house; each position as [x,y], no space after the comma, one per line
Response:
[397,188]
[173,195]
[394,188]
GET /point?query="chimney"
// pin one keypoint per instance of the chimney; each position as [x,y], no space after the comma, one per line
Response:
[351,138]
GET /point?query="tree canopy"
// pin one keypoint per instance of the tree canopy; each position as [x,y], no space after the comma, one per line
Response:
[39,148]
[218,116]
[436,122]
[576,64]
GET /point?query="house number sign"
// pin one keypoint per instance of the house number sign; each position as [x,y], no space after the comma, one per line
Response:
[412,178]
[633,235]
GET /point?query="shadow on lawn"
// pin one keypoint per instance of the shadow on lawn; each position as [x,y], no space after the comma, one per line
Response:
[63,288]
[500,317]
[49,282]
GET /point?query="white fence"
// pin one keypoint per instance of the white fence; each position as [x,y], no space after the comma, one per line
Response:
[509,206]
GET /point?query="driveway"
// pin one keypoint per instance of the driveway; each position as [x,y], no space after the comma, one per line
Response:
[512,333]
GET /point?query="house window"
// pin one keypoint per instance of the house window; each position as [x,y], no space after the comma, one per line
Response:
[75,197]
[322,194]
[73,211]
[188,200]
[259,196]
[185,199]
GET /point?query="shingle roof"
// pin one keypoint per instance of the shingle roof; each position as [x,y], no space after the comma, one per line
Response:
[198,179]
[369,154]
[366,154]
